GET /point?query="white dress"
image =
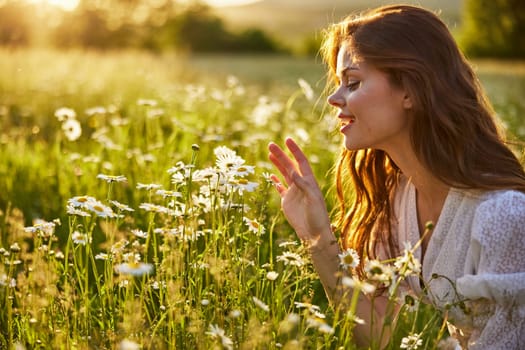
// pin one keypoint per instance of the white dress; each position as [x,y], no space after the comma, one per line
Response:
[478,244]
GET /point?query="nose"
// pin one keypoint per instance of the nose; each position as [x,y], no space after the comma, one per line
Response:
[336,100]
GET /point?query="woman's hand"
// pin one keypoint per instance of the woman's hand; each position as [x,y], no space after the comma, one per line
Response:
[301,198]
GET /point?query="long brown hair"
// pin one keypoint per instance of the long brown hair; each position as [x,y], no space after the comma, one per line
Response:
[453,132]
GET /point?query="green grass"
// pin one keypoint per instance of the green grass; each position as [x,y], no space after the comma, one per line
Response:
[158,122]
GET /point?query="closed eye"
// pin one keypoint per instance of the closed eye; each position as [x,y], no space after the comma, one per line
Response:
[352,86]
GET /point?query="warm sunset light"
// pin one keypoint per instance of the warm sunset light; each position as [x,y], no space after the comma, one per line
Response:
[67,5]
[224,3]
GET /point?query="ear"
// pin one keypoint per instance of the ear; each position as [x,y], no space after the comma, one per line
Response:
[407,102]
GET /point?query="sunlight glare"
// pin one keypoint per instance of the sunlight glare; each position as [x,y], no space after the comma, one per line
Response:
[224,3]
[68,5]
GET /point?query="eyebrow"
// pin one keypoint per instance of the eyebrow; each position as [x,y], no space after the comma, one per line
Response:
[346,69]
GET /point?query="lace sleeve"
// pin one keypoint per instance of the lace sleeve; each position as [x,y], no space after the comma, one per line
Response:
[498,248]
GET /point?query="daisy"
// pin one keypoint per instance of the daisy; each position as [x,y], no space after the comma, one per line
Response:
[81,238]
[377,271]
[411,342]
[64,113]
[227,159]
[218,333]
[120,206]
[166,193]
[148,187]
[112,178]
[355,283]
[71,210]
[407,264]
[254,226]
[101,210]
[7,282]
[272,275]
[349,259]
[146,102]
[128,345]
[261,304]
[72,129]
[289,258]
[154,208]
[242,185]
[134,268]
[139,233]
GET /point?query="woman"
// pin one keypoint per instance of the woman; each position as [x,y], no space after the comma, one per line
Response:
[420,145]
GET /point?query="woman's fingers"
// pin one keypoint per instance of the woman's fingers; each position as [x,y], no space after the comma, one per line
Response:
[278,185]
[281,160]
[300,157]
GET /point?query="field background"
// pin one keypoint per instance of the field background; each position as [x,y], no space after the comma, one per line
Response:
[142,114]
[293,20]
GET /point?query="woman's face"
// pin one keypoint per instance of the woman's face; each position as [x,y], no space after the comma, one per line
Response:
[373,112]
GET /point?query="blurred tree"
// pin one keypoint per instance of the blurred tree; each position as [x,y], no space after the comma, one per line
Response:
[15,25]
[494,28]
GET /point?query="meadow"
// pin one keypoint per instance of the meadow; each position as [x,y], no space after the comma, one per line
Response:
[136,209]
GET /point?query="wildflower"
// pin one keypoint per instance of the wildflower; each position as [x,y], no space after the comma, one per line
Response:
[127,344]
[287,243]
[205,302]
[134,268]
[95,110]
[64,113]
[101,210]
[289,258]
[411,342]
[243,170]
[355,283]
[349,259]
[377,271]
[146,102]
[407,264]
[261,304]
[265,110]
[112,178]
[148,187]
[166,193]
[272,275]
[306,88]
[42,228]
[81,238]
[72,129]
[71,210]
[5,281]
[205,175]
[154,113]
[227,159]
[242,185]
[235,313]
[102,256]
[409,302]
[139,233]
[91,204]
[254,226]
[154,208]
[15,247]
[120,206]
[308,306]
[81,201]
[218,333]
[320,324]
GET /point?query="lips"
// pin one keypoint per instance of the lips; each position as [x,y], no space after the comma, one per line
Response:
[345,120]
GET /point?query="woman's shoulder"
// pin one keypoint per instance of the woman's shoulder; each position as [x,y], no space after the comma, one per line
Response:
[502,202]
[500,214]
